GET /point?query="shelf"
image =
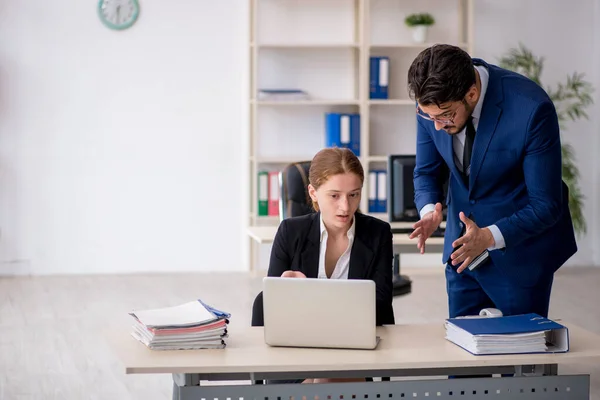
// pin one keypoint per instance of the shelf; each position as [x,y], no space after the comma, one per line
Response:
[323,48]
[378,158]
[392,102]
[307,46]
[409,45]
[285,103]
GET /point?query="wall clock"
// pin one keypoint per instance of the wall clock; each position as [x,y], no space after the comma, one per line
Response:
[118,14]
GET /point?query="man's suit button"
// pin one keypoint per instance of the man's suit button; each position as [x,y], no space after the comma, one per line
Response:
[472,201]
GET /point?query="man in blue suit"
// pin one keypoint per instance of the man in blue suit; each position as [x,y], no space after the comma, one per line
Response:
[497,133]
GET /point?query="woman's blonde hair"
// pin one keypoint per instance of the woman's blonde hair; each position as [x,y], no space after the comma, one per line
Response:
[333,161]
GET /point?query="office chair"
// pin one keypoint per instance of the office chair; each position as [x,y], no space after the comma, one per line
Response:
[401,284]
[293,190]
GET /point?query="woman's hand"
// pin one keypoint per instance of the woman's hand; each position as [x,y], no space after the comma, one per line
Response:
[293,274]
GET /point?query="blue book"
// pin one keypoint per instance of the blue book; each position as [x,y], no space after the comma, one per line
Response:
[526,333]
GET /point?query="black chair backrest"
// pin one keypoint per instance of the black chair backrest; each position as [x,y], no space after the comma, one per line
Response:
[258,317]
[293,197]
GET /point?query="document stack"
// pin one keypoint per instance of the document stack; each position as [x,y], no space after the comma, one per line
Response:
[282,95]
[193,325]
[527,333]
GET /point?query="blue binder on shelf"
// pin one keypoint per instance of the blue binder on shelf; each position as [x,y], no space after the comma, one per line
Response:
[372,191]
[516,334]
[381,191]
[332,130]
[355,134]
[343,130]
[379,73]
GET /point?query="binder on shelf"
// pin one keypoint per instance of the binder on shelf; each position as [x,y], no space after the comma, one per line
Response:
[343,130]
[263,193]
[273,207]
[517,334]
[332,130]
[382,191]
[379,74]
[372,191]
[355,134]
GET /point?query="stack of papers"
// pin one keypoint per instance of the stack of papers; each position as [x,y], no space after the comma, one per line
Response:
[517,334]
[193,325]
[282,95]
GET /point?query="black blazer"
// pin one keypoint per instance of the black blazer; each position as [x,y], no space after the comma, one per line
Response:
[296,247]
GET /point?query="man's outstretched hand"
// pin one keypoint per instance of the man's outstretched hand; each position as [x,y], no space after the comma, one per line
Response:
[426,226]
[474,242]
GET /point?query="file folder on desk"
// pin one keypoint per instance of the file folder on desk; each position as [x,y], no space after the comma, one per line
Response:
[517,334]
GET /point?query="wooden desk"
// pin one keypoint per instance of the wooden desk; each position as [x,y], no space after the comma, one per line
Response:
[266,234]
[405,350]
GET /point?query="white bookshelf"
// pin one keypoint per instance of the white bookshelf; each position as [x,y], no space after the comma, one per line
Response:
[323,47]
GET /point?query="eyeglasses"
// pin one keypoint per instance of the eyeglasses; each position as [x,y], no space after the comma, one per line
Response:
[443,121]
[447,120]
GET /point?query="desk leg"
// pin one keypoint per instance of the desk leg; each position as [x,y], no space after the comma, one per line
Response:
[183,380]
[536,370]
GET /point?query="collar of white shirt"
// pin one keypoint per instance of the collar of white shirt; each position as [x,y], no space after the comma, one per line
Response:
[484,77]
[350,233]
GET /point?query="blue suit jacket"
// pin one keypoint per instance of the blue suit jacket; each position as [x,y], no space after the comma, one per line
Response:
[515,180]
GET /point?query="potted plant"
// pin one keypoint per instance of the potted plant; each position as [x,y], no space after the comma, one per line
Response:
[419,23]
[570,99]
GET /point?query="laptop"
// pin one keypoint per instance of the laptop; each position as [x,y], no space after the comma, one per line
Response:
[323,313]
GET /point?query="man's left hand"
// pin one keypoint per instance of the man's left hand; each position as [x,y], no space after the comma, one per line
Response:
[474,242]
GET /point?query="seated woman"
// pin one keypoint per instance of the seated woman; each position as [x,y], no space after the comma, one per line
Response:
[338,241]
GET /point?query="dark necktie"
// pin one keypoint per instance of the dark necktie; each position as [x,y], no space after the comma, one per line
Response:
[469,139]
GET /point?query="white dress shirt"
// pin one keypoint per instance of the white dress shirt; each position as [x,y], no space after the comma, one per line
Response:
[458,143]
[343,264]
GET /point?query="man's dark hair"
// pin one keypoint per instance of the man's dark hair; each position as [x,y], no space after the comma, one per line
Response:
[441,73]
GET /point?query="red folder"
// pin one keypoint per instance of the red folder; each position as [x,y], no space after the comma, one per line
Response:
[274,193]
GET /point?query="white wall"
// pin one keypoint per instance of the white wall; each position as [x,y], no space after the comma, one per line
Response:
[113,145]
[564,35]
[121,151]
[595,237]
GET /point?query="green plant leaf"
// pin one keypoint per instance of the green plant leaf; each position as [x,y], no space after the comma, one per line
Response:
[419,19]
